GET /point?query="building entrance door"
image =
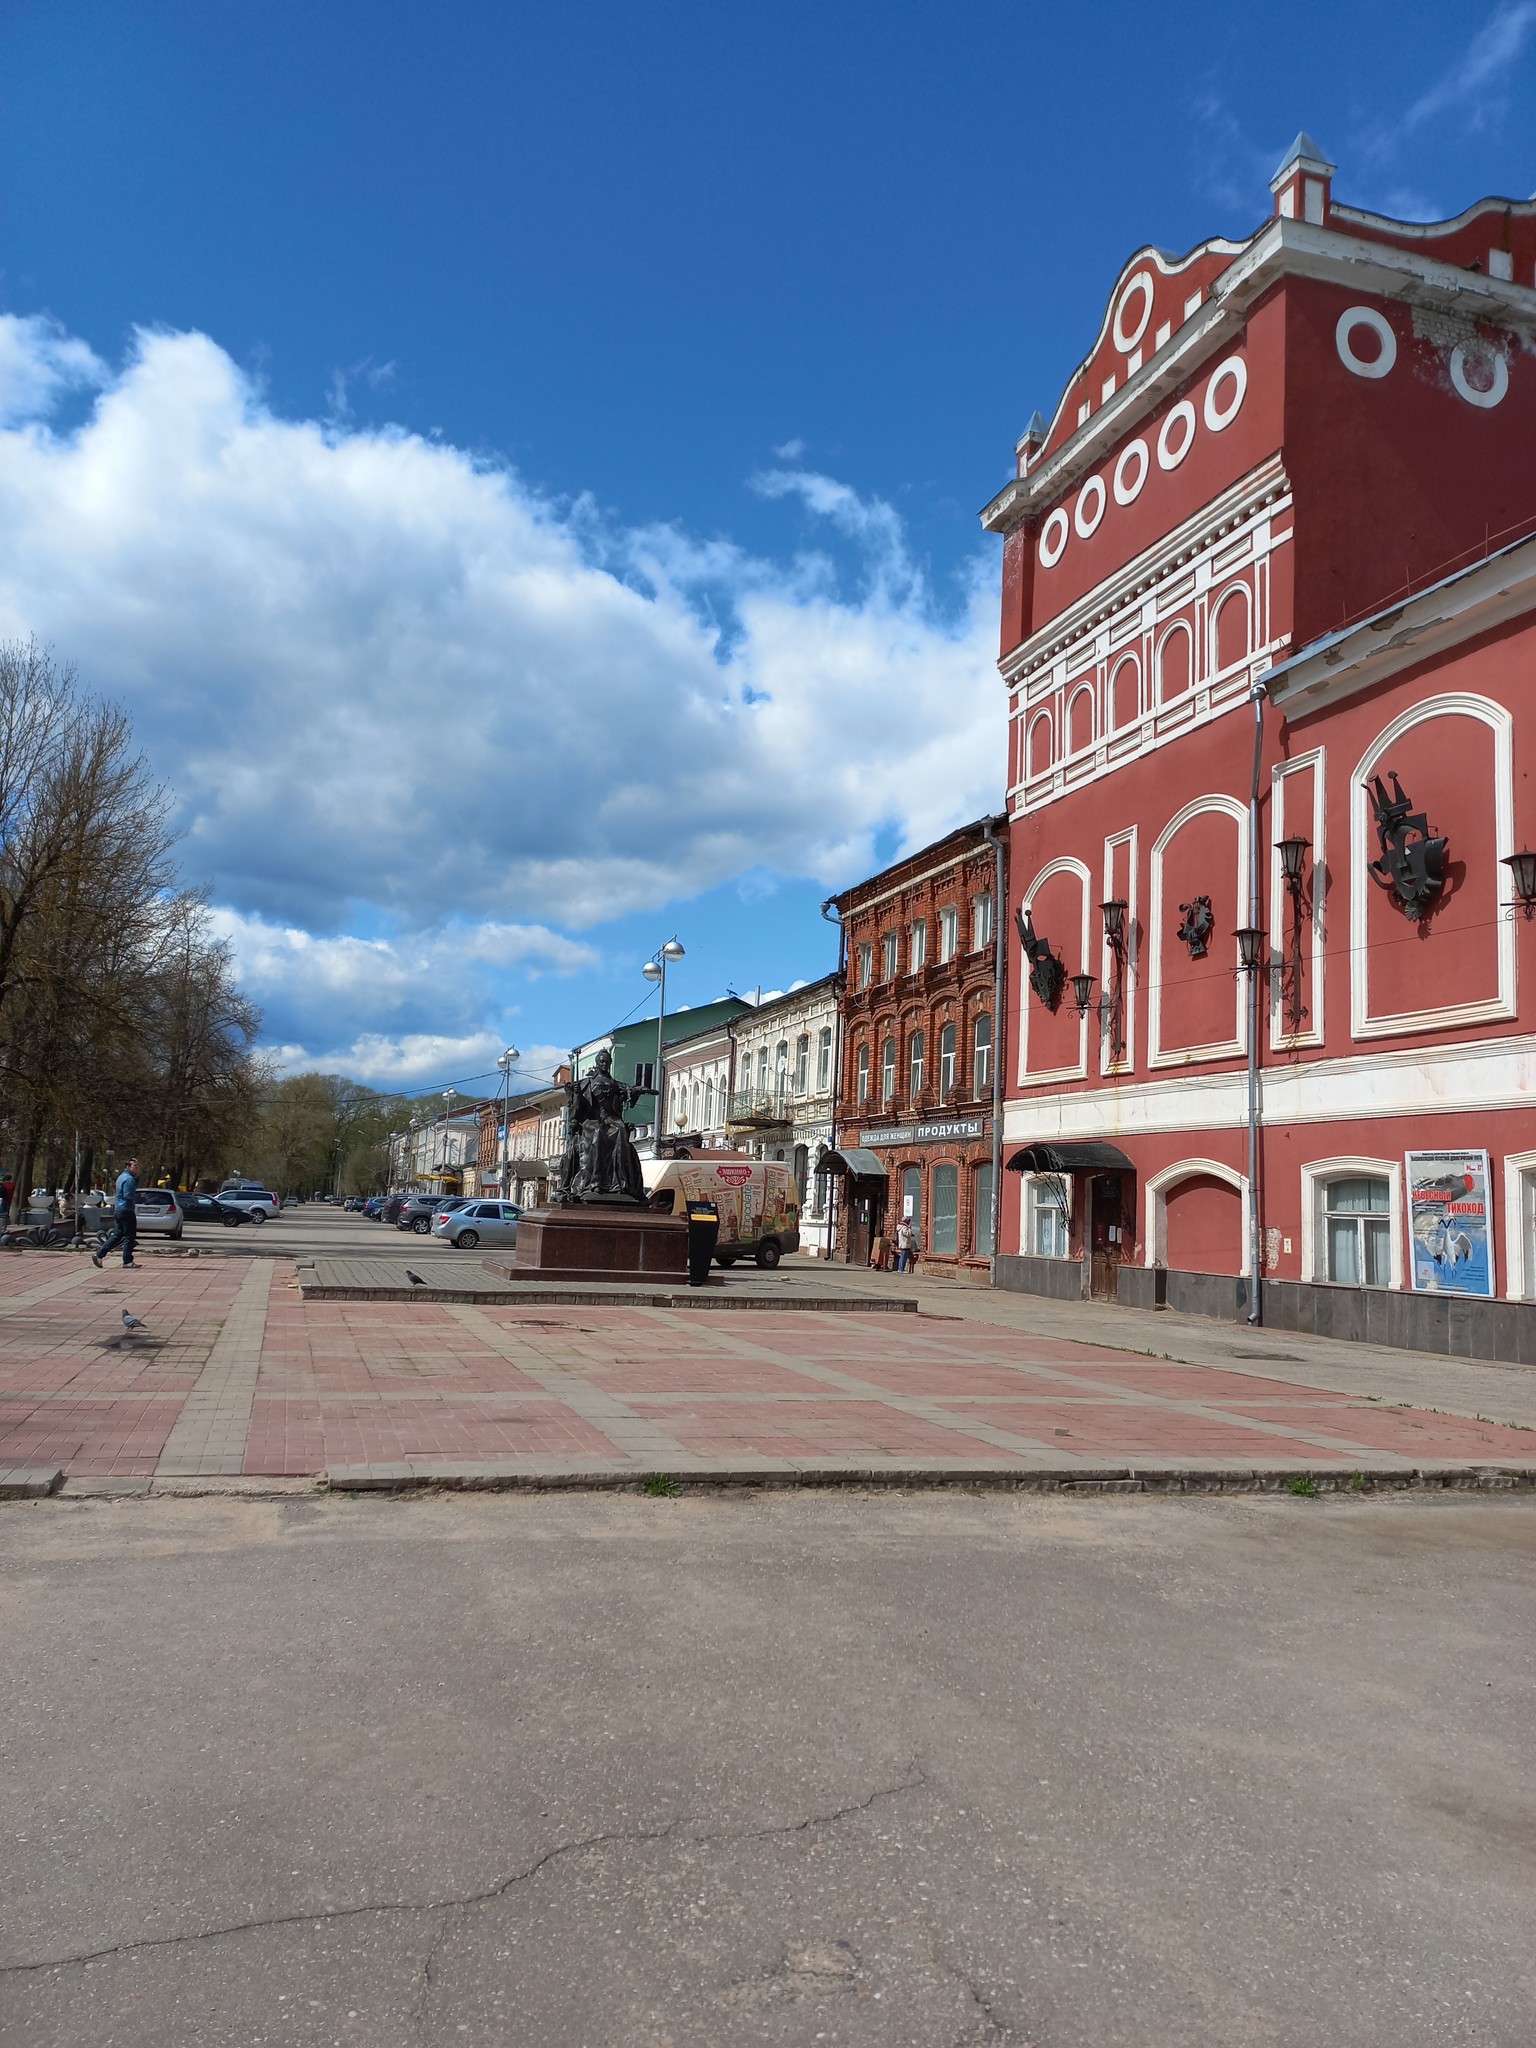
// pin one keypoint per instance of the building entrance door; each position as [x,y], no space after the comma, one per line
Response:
[1106,1234]
[866,1220]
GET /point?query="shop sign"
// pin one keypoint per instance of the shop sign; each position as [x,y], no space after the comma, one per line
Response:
[931,1131]
[1448,1217]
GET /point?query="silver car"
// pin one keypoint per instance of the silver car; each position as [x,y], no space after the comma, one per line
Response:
[155,1209]
[259,1204]
[477,1223]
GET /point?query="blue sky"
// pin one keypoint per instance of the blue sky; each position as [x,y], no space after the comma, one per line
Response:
[519,465]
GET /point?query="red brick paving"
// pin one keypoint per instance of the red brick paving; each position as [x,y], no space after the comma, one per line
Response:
[383,1383]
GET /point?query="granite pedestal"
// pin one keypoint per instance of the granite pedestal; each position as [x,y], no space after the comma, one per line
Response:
[592,1241]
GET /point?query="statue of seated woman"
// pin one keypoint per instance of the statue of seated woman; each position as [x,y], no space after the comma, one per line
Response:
[600,1163]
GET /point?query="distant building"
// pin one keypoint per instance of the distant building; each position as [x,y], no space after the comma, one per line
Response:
[699,1086]
[782,1099]
[915,1106]
[633,1047]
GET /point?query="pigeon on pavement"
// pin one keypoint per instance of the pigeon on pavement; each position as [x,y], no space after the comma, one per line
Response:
[133,1322]
[414,1278]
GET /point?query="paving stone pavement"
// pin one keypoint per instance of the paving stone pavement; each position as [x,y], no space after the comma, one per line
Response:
[237,1376]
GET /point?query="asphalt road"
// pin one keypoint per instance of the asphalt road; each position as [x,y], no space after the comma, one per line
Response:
[315,1227]
[675,1773]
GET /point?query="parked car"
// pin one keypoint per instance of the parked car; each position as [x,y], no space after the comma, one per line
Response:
[256,1204]
[156,1211]
[757,1200]
[418,1211]
[197,1207]
[472,1223]
[393,1204]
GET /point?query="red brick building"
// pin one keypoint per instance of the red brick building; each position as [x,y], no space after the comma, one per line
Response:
[915,1131]
[1269,633]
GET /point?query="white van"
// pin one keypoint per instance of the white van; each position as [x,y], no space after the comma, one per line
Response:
[758,1201]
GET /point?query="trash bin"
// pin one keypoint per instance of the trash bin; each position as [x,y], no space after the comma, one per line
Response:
[703,1235]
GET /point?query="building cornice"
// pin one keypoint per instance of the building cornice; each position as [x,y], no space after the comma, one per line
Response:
[1281,249]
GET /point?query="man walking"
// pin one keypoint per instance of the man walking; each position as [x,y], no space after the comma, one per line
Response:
[125,1221]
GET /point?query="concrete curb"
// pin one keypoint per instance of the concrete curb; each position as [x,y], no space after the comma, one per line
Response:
[492,1477]
[556,1296]
[30,1482]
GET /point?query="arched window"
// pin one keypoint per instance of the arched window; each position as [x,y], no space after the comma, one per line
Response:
[803,1063]
[947,1058]
[824,1060]
[887,1070]
[862,1069]
[762,1070]
[1125,694]
[1174,666]
[1080,722]
[1231,633]
[915,1062]
[982,1070]
[697,1098]
[802,1158]
[709,1101]
[945,1181]
[781,1069]
[1039,745]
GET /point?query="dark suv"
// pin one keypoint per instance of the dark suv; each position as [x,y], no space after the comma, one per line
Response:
[418,1211]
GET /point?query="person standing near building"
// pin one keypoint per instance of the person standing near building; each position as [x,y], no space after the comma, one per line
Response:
[125,1222]
[906,1246]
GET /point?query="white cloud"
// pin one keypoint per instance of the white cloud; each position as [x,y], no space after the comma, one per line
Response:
[1477,85]
[422,1061]
[378,671]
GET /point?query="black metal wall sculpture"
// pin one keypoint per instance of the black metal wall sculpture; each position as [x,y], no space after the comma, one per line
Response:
[1196,929]
[1412,863]
[1047,974]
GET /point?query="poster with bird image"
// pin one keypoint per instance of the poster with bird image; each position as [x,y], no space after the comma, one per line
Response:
[1449,1239]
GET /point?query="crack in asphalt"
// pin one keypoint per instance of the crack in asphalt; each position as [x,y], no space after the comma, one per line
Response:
[994,2029]
[914,1781]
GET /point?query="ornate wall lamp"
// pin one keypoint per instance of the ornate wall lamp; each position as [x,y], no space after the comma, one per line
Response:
[1292,855]
[1252,946]
[1047,974]
[1522,868]
[1113,913]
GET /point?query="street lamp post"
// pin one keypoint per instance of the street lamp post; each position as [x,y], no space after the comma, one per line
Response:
[506,1063]
[442,1158]
[655,969]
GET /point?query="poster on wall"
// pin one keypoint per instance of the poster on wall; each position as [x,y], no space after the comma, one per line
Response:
[1449,1239]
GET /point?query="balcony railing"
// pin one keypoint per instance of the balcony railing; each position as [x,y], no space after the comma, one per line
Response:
[757,1109]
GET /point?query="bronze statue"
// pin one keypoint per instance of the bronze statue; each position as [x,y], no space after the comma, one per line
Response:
[600,1163]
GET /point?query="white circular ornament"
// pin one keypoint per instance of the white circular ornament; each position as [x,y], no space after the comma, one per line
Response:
[1128,489]
[1182,417]
[1233,371]
[1465,388]
[1090,507]
[1052,549]
[1365,316]
[1140,287]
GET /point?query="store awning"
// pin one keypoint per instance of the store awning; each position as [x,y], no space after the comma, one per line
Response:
[854,1161]
[1071,1155]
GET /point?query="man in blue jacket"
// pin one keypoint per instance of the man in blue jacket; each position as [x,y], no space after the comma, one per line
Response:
[125,1221]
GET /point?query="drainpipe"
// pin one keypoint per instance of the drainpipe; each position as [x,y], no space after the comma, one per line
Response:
[999,960]
[1255,1282]
[837,1061]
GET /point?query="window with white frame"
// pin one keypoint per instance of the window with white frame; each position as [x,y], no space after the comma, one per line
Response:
[949,932]
[866,964]
[762,1070]
[803,1063]
[887,1070]
[1356,1236]
[891,948]
[982,1070]
[917,947]
[981,923]
[861,1069]
[824,1059]
[709,1101]
[915,1063]
[947,1042]
[1046,1210]
[781,1069]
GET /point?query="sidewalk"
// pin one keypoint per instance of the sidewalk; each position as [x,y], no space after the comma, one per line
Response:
[237,1377]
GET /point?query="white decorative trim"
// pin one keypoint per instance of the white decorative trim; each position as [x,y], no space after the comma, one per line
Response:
[1130,839]
[1026,1184]
[1520,1278]
[1182,414]
[1368,317]
[1157,1186]
[1237,1045]
[1279,899]
[1066,865]
[1472,1077]
[1123,341]
[1084,690]
[1030,770]
[1086,522]
[1230,593]
[1132,660]
[1052,552]
[1464,388]
[1450,704]
[1219,418]
[1315,1175]
[1128,493]
[1159,695]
